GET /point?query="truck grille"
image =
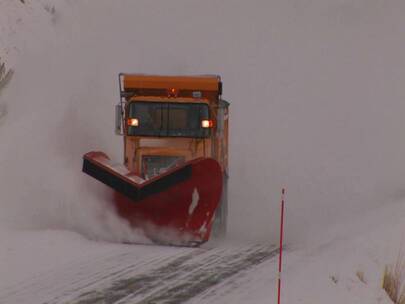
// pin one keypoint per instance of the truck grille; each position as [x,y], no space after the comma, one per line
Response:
[153,165]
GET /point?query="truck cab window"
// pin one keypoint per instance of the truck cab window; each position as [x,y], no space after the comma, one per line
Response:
[168,119]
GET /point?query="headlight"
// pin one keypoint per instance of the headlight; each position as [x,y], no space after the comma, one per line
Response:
[133,122]
[207,123]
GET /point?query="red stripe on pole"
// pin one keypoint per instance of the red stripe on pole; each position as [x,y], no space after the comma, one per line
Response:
[280,259]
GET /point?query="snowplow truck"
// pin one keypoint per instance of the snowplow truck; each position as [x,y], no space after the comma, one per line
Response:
[172,182]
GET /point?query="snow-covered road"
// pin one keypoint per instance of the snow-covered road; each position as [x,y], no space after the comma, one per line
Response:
[142,274]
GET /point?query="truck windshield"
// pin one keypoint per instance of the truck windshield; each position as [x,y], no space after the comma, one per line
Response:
[168,119]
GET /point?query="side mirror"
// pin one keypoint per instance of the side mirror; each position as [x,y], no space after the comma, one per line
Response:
[118,120]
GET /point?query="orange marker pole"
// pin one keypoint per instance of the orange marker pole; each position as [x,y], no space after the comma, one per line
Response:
[280,259]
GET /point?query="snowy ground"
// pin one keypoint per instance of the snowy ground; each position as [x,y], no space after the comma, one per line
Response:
[106,273]
[60,241]
[51,266]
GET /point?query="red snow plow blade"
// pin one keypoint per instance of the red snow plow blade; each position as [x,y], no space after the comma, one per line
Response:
[175,207]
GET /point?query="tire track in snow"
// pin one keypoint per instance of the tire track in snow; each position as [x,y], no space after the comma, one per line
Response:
[128,271]
[256,278]
[123,269]
[136,274]
[182,279]
[74,278]
[143,283]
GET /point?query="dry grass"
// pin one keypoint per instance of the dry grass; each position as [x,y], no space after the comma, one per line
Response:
[334,278]
[361,276]
[50,9]
[5,75]
[394,280]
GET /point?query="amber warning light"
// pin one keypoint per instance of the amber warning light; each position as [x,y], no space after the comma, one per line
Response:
[172,92]
[207,123]
[133,122]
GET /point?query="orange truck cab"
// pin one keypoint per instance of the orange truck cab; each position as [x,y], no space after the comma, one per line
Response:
[169,124]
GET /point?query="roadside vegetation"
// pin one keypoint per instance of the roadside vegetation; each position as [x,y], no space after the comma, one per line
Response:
[394,280]
[5,75]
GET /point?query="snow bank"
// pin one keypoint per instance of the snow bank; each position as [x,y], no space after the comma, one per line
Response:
[329,271]
[326,270]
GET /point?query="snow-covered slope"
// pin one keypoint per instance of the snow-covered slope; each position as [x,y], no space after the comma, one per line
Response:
[316,89]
